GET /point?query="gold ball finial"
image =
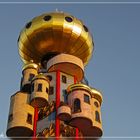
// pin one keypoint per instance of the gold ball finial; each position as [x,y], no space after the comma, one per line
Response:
[31,61]
[30,65]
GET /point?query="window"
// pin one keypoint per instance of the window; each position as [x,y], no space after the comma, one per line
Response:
[39,87]
[10,118]
[31,76]
[21,83]
[51,90]
[49,77]
[65,95]
[47,18]
[64,79]
[18,38]
[28,25]
[86,99]
[29,118]
[47,90]
[96,104]
[85,28]
[32,87]
[97,116]
[77,106]
[68,19]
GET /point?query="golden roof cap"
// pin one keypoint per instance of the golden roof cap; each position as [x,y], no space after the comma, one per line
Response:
[78,86]
[55,32]
[97,95]
[40,76]
[30,65]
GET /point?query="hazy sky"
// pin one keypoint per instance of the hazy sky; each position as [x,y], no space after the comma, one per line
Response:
[114,68]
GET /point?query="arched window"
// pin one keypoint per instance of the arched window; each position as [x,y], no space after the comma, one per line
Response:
[86,99]
[31,76]
[97,116]
[10,118]
[29,119]
[77,106]
[47,90]
[39,87]
[64,79]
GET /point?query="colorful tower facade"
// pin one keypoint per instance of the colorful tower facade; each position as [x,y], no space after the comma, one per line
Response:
[55,100]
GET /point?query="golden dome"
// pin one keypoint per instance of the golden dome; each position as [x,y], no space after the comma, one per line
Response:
[97,94]
[40,76]
[78,86]
[55,32]
[30,65]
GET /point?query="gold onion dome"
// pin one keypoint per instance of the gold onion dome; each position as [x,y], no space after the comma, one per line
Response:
[78,86]
[30,64]
[40,76]
[97,94]
[55,33]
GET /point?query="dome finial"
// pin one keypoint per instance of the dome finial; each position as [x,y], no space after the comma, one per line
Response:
[31,60]
[56,10]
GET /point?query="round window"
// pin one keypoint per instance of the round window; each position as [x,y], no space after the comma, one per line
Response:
[47,18]
[85,28]
[28,25]
[68,19]
[18,38]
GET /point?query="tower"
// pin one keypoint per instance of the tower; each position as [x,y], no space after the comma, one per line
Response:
[54,99]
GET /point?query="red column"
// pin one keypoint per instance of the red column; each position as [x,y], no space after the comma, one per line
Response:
[75,79]
[57,121]
[35,123]
[77,131]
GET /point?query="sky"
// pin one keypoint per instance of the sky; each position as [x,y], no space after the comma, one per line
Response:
[114,67]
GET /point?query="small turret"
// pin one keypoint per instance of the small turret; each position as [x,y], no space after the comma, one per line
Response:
[21,116]
[85,106]
[68,64]
[29,71]
[39,91]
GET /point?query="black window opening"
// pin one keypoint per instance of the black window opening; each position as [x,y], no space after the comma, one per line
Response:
[86,99]
[28,25]
[39,87]
[65,95]
[77,106]
[64,79]
[97,116]
[51,90]
[85,28]
[68,19]
[49,77]
[10,118]
[32,87]
[21,83]
[31,76]
[47,18]
[47,90]
[29,118]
